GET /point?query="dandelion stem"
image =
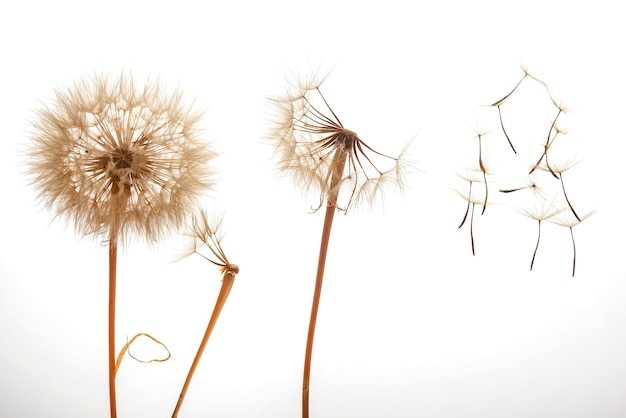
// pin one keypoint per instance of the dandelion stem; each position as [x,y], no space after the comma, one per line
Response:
[112,284]
[227,285]
[328,222]
[337,166]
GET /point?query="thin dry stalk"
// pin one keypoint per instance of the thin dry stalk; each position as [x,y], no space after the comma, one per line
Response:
[126,349]
[111,327]
[319,277]
[208,236]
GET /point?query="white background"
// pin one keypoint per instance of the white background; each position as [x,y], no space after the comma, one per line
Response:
[410,323]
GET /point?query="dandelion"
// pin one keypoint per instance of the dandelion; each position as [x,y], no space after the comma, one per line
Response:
[564,219]
[543,213]
[321,155]
[204,233]
[114,159]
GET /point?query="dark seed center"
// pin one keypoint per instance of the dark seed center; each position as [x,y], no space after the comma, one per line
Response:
[123,159]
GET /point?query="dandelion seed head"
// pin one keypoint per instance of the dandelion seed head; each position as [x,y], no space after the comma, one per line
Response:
[116,158]
[322,156]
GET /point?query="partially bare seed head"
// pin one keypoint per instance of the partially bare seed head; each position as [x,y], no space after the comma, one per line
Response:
[321,155]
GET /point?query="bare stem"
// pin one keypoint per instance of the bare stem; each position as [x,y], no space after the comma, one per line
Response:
[112,284]
[336,171]
[227,285]
[328,222]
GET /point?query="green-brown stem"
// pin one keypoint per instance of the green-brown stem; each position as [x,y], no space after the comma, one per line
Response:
[227,285]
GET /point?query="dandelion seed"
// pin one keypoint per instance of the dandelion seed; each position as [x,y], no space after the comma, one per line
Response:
[483,168]
[543,213]
[550,139]
[115,159]
[500,102]
[321,155]
[471,204]
[532,184]
[471,178]
[564,219]
[560,169]
[203,232]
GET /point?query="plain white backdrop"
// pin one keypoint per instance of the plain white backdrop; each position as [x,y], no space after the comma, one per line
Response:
[411,324]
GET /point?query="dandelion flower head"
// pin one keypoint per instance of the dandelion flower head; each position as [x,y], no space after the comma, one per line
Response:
[320,155]
[115,158]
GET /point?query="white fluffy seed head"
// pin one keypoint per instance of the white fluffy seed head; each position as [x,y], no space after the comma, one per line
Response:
[114,158]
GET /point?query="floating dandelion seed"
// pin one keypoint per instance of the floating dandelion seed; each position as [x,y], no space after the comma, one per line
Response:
[114,159]
[204,233]
[550,138]
[500,102]
[471,177]
[531,184]
[560,169]
[483,167]
[565,219]
[320,154]
[543,213]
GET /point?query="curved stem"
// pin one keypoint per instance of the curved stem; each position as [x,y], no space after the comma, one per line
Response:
[227,285]
[504,130]
[469,200]
[567,200]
